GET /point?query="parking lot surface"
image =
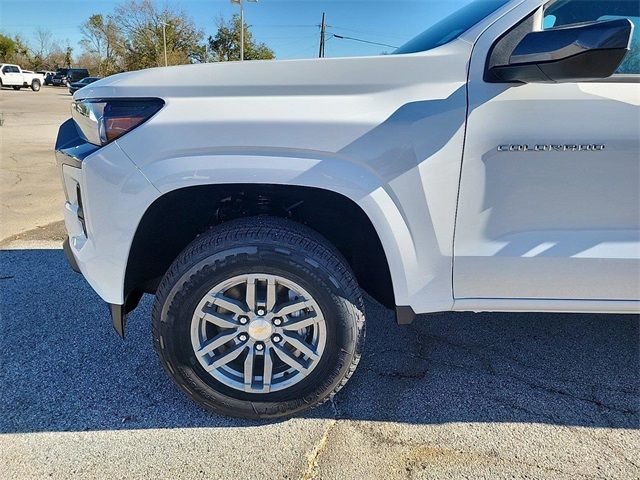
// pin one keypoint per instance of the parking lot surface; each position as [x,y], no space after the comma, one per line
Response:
[30,193]
[455,395]
[451,396]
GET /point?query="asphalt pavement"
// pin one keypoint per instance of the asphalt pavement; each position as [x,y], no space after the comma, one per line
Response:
[30,187]
[451,396]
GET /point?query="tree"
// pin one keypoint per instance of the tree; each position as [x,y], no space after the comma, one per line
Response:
[225,45]
[56,57]
[91,62]
[40,53]
[43,53]
[21,54]
[103,44]
[145,27]
[7,49]
[44,40]
[68,57]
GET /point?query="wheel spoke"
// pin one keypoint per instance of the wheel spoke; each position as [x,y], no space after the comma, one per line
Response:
[232,319]
[228,304]
[219,320]
[271,294]
[226,357]
[291,307]
[216,342]
[290,359]
[251,293]
[300,323]
[248,369]
[268,371]
[302,346]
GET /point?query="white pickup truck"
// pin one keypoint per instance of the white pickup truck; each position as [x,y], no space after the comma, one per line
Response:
[490,164]
[14,76]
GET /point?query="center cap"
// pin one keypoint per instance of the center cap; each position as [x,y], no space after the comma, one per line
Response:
[260,329]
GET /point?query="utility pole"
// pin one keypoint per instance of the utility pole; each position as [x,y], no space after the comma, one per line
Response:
[241,32]
[323,31]
[164,40]
[240,4]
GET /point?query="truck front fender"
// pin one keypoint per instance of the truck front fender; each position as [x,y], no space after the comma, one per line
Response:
[356,182]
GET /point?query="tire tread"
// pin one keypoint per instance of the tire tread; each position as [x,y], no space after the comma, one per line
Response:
[277,232]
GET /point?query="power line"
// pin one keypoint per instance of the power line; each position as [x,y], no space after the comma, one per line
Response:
[296,41]
[283,26]
[342,37]
[378,34]
[295,37]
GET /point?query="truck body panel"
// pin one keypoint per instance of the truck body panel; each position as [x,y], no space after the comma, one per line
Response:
[549,188]
[421,142]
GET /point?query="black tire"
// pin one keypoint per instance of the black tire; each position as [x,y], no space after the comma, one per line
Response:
[265,245]
[35,85]
[17,87]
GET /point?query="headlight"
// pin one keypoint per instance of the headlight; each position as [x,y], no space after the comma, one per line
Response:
[102,120]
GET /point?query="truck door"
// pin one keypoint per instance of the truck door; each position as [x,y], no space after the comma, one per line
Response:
[549,204]
[11,75]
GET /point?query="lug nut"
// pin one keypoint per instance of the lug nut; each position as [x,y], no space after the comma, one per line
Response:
[261,312]
[243,337]
[277,322]
[259,347]
[243,320]
[277,338]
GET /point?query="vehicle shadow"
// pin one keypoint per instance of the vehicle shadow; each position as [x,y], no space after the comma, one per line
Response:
[62,368]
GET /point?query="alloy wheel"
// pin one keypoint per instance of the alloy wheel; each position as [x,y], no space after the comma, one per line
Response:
[258,333]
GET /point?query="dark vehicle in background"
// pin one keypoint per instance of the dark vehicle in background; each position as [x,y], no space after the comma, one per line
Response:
[66,76]
[59,78]
[75,86]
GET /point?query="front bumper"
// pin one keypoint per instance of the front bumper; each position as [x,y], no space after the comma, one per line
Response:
[69,256]
[105,199]
[118,312]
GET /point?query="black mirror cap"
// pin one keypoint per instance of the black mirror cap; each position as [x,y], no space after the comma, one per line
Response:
[581,52]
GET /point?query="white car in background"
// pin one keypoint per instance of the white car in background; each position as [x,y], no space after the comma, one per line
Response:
[48,76]
[14,76]
[490,164]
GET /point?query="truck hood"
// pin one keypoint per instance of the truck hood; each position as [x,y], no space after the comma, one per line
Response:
[325,76]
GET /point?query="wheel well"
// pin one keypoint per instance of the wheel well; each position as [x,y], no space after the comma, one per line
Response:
[178,217]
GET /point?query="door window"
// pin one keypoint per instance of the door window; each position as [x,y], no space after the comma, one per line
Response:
[567,12]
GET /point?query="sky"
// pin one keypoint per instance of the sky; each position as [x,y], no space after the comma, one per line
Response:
[289,27]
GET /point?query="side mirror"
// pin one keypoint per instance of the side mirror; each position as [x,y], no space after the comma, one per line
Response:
[585,51]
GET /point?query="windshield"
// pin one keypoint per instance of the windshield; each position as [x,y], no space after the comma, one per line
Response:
[452,26]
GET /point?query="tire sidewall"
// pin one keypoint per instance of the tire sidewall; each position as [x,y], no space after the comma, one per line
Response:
[35,86]
[209,270]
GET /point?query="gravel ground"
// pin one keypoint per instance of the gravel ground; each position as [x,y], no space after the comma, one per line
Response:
[451,396]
